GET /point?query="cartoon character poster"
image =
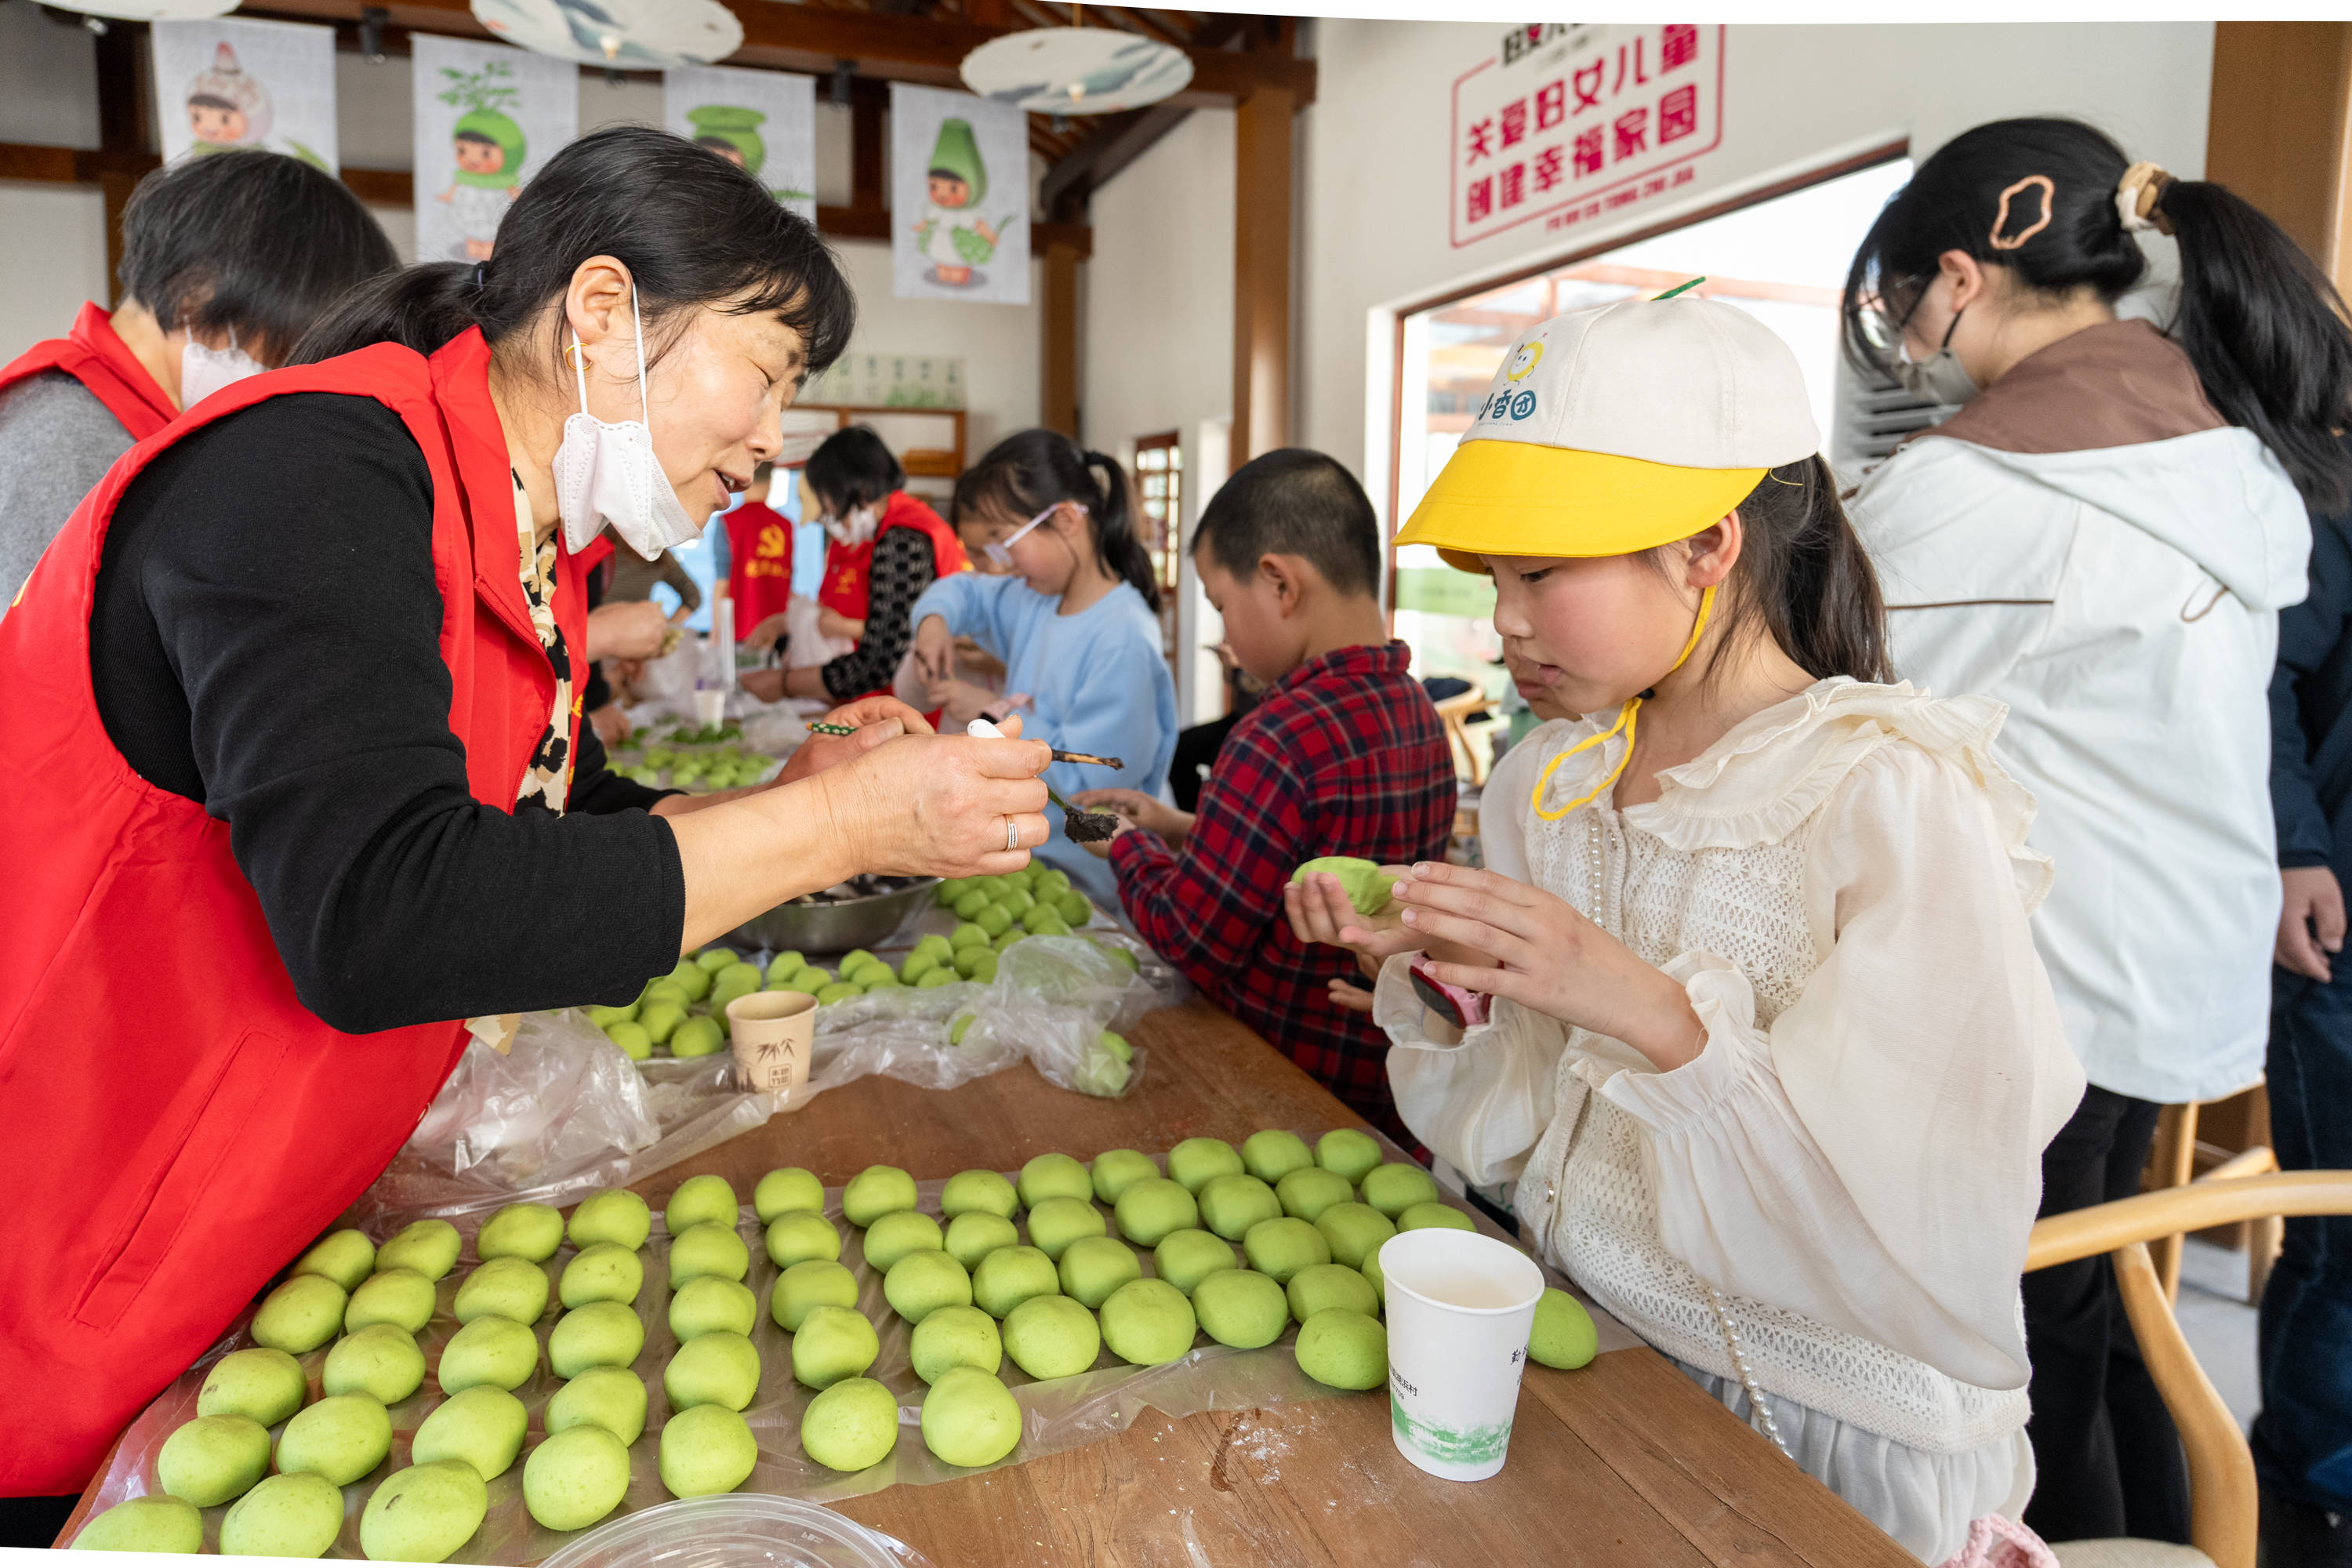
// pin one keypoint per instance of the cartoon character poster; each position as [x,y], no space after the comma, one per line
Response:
[959,196]
[765,122]
[225,83]
[488,118]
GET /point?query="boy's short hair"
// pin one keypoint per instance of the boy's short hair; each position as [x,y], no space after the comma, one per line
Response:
[1294,501]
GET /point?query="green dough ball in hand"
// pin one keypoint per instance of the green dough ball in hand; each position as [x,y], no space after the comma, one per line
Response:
[797,1236]
[1281,1247]
[484,1428]
[784,1190]
[424,1513]
[875,1191]
[1116,1170]
[615,1215]
[1350,1152]
[430,1247]
[506,1287]
[1366,885]
[602,1271]
[1563,1335]
[380,1361]
[1231,1203]
[302,1314]
[342,1437]
[708,1249]
[717,1368]
[706,1451]
[498,1352]
[1319,1286]
[1305,1193]
[612,1397]
[1010,1275]
[262,1385]
[1093,1266]
[953,1337]
[972,1237]
[1055,1222]
[1185,1257]
[1193,1161]
[1353,1232]
[1396,1187]
[1148,1323]
[833,1343]
[852,1426]
[602,1333]
[401,1297]
[1273,1154]
[712,1304]
[346,1258]
[1054,1176]
[1153,1208]
[1343,1349]
[1052,1336]
[971,1418]
[702,1199]
[895,1234]
[924,1282]
[214,1459]
[984,1192]
[158,1522]
[575,1477]
[1433,1214]
[529,1231]
[807,1286]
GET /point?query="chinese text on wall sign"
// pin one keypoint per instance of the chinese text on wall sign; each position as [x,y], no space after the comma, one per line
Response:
[1568,123]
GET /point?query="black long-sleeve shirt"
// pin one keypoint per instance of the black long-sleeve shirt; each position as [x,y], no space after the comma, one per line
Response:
[266,641]
[904,566]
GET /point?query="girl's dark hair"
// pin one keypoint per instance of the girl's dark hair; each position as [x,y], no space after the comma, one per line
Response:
[1027,472]
[247,242]
[2259,321]
[1804,579]
[853,468]
[692,229]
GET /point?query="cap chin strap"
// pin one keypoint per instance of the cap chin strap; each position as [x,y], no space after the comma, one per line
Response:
[1625,722]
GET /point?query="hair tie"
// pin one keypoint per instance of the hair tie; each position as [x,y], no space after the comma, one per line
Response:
[480,269]
[2140,198]
[2000,218]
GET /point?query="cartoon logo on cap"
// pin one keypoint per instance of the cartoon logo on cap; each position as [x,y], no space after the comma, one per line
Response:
[1523,362]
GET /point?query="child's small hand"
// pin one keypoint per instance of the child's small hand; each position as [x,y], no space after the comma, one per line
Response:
[1351,998]
[1139,809]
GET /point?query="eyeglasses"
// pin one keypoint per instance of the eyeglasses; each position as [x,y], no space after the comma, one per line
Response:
[1000,552]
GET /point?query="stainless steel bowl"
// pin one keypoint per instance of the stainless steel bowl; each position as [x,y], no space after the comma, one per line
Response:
[839,926]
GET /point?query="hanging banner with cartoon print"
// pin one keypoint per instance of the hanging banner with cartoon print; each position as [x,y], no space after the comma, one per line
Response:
[227,83]
[958,198]
[765,122]
[488,118]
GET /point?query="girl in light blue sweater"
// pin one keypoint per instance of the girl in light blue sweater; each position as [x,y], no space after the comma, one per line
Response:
[1075,620]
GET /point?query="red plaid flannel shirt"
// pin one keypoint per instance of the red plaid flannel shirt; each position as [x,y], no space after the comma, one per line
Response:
[1344,756]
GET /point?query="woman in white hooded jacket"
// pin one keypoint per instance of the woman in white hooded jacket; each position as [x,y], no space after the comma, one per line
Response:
[2101,539]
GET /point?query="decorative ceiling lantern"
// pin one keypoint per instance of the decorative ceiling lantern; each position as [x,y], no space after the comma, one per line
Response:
[619,34]
[145,10]
[1076,70]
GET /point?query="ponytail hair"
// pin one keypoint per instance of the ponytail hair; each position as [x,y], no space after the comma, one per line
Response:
[2044,199]
[1804,579]
[1030,470]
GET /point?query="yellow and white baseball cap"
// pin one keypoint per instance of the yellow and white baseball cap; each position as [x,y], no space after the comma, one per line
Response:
[1619,428]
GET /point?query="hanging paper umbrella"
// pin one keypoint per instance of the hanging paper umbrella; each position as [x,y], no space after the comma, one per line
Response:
[620,35]
[1076,70]
[147,10]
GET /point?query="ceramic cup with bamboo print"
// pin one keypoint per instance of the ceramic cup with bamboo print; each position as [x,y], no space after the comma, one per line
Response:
[1460,1306]
[775,1033]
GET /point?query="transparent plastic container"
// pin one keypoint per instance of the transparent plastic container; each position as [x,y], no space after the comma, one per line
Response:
[737,1530]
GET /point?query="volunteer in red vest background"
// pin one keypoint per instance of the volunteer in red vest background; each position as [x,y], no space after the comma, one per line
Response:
[885,547]
[759,557]
[226,261]
[299,800]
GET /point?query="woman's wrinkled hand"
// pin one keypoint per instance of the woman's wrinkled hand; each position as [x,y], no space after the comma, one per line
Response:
[876,719]
[940,805]
[762,637]
[632,629]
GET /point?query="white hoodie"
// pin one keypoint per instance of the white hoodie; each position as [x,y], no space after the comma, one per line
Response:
[2122,599]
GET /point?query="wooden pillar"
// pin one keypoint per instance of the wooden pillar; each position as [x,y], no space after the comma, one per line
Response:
[2276,133]
[121,132]
[1059,396]
[1261,197]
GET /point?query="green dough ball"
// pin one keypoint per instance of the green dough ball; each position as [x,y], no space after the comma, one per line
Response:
[1153,1208]
[1349,1153]
[706,1450]
[1240,1307]
[1116,1170]
[575,1477]
[949,890]
[839,991]
[1015,902]
[1323,1285]
[304,1312]
[978,1192]
[1052,879]
[933,979]
[735,980]
[697,1036]
[993,918]
[1366,885]
[263,1385]
[1305,1193]
[1054,1223]
[346,1258]
[700,1200]
[787,963]
[972,1237]
[661,1021]
[819,1282]
[692,978]
[797,1236]
[612,1397]
[852,1426]
[1353,1232]
[380,1360]
[1148,1321]
[953,1337]
[635,1043]
[1396,1187]
[214,1459]
[856,961]
[970,1418]
[1093,1266]
[1563,1335]
[832,1344]
[507,1287]
[958,1026]
[710,1305]
[885,980]
[1433,1214]
[1074,910]
[935,944]
[1283,1246]
[1343,1348]
[711,960]
[529,1231]
[895,1234]
[483,1427]
[602,1333]
[804,983]
[495,1350]
[401,1297]
[430,1247]
[606,1017]
[977,965]
[785,1190]
[1273,1154]
[716,1368]
[1010,1275]
[664,989]
[875,1191]
[615,1215]
[1185,1257]
[342,1438]
[1134,964]
[966,935]
[1043,917]
[602,1272]
[1231,1203]
[708,1249]
[1010,937]
[1371,1271]
[1052,1336]
[919,962]
[424,1513]
[1191,1162]
[970,904]
[1054,1176]
[158,1522]
[923,1282]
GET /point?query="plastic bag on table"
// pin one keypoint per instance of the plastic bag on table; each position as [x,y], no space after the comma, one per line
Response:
[1065,1002]
[902,1031]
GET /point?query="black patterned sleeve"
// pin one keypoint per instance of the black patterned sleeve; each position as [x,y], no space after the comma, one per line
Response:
[903,567]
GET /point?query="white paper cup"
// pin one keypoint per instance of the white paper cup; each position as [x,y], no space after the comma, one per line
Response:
[1459,1307]
[709,707]
[773,1033]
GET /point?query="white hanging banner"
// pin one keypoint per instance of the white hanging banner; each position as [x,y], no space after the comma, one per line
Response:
[958,198]
[225,83]
[762,122]
[487,119]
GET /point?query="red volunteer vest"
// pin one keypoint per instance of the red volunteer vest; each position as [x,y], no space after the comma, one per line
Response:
[849,568]
[759,564]
[101,362]
[178,1125]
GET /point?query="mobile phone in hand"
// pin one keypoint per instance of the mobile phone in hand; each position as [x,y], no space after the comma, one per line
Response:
[1462,1008]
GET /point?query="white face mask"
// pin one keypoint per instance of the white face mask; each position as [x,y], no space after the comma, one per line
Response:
[204,371]
[608,473]
[854,529]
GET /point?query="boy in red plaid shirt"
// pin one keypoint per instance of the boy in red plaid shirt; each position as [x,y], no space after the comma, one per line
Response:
[1344,755]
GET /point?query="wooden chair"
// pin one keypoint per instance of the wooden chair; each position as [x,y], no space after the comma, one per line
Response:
[2222,1506]
[1456,711]
[2172,1162]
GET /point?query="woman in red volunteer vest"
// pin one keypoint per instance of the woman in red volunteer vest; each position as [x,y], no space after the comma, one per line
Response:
[759,557]
[226,261]
[299,800]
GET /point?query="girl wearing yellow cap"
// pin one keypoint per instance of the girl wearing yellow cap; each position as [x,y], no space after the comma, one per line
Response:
[1770,1060]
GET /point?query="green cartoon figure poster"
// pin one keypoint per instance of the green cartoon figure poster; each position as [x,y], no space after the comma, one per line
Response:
[959,234]
[488,117]
[230,82]
[763,123]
